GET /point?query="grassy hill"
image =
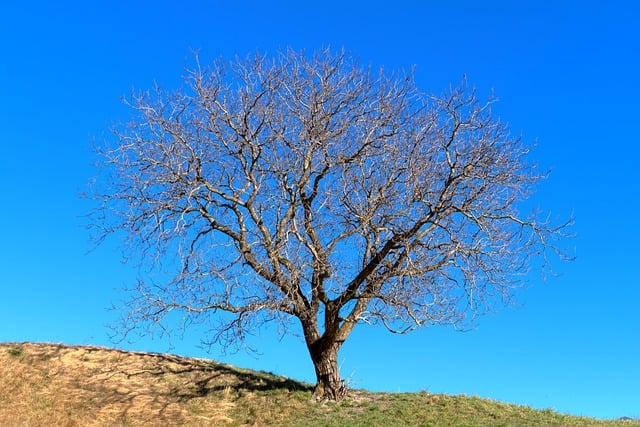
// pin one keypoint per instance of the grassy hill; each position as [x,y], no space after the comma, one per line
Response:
[48,384]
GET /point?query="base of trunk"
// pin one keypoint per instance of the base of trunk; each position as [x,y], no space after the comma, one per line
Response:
[335,389]
[329,385]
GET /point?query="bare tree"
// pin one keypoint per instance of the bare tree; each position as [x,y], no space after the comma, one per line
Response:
[310,189]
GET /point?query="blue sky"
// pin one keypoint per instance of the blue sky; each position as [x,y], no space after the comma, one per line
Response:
[566,74]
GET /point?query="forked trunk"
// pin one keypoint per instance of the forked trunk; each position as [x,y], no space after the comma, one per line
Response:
[329,385]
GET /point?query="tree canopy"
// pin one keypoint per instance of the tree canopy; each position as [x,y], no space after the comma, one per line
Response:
[311,189]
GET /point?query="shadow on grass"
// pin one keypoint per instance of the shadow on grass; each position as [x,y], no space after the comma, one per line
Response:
[212,372]
[136,386]
[209,376]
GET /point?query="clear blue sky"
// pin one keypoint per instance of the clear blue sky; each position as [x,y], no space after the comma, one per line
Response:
[566,73]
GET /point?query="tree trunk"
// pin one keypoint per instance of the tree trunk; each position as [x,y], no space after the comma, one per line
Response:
[329,385]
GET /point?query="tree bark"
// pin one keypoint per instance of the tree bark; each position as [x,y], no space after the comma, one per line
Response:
[329,385]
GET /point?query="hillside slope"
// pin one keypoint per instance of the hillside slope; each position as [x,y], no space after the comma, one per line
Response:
[49,384]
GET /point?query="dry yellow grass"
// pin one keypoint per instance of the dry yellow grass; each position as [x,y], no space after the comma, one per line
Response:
[46,384]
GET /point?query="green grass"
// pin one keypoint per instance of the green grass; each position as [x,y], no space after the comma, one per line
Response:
[410,409]
[15,352]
